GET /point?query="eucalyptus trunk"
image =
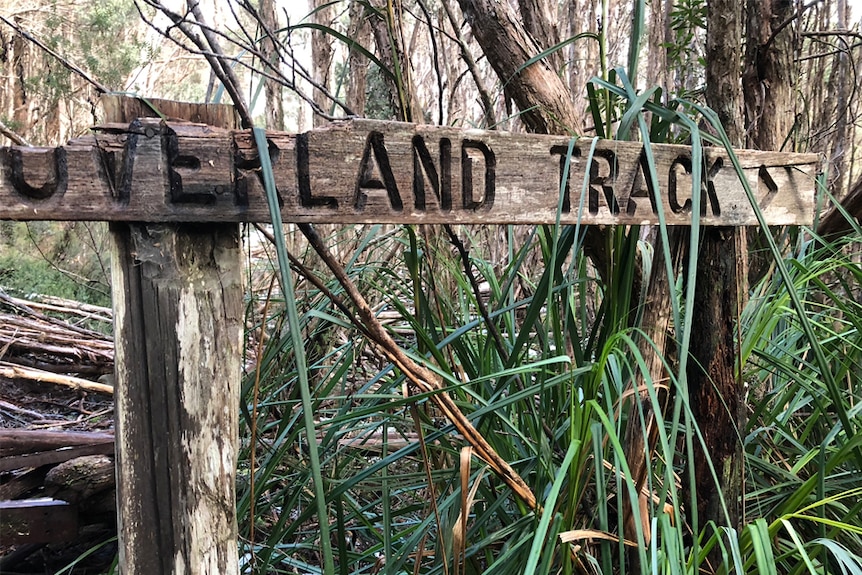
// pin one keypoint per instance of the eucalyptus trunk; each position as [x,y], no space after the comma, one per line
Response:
[715,388]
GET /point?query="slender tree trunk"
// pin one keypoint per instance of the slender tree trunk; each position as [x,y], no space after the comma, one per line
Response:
[269,48]
[582,56]
[388,32]
[20,93]
[357,64]
[767,78]
[659,36]
[841,77]
[715,389]
[321,57]
[642,430]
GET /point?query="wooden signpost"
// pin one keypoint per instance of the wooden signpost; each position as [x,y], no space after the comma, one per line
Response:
[365,171]
[176,190]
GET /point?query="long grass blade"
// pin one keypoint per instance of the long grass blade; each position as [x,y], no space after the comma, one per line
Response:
[298,349]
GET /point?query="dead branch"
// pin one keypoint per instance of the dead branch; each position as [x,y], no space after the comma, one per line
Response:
[12,371]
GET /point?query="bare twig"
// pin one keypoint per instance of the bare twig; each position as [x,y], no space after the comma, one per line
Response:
[13,371]
[484,95]
[7,131]
[218,60]
[232,85]
[210,51]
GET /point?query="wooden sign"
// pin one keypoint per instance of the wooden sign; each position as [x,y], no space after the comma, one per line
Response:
[363,171]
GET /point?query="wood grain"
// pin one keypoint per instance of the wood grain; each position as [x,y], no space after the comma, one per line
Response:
[365,171]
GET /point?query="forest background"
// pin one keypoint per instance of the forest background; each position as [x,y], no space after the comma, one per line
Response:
[652,433]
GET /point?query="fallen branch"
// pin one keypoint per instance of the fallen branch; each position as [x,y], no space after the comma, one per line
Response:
[61,305]
[12,371]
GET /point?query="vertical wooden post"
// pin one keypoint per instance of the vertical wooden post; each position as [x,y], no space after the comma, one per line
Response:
[177,293]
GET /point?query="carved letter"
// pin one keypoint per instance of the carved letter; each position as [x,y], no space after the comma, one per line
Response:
[603,183]
[707,188]
[563,152]
[54,171]
[423,167]
[246,169]
[642,186]
[685,163]
[490,161]
[303,176]
[765,180]
[710,189]
[177,163]
[123,187]
[366,179]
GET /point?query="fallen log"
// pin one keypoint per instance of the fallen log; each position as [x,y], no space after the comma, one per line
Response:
[81,479]
[17,441]
[22,484]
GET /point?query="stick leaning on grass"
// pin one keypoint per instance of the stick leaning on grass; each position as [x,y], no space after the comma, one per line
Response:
[421,377]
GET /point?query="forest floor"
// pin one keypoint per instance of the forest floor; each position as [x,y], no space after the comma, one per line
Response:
[50,427]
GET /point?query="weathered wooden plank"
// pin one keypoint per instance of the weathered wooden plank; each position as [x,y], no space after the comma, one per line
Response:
[37,521]
[365,171]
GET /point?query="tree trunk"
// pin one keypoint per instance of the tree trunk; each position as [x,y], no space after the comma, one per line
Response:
[269,48]
[659,37]
[767,85]
[321,58]
[546,104]
[641,430]
[540,20]
[840,80]
[357,64]
[545,101]
[767,79]
[715,389]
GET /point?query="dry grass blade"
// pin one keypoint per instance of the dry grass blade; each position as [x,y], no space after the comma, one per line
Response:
[424,380]
[468,496]
[591,534]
